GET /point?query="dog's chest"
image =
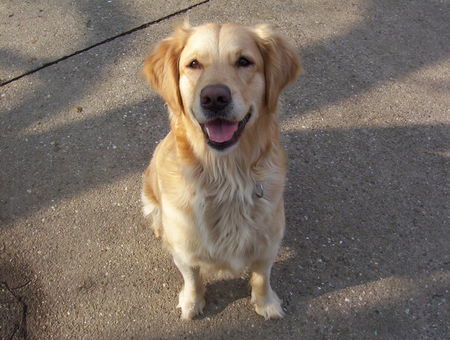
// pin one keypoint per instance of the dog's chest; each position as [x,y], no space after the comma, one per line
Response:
[230,216]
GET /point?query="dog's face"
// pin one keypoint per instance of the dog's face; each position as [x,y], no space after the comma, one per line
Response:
[222,81]
[222,77]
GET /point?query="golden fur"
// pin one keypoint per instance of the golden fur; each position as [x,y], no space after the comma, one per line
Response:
[203,202]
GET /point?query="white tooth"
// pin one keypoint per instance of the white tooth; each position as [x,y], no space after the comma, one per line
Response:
[207,131]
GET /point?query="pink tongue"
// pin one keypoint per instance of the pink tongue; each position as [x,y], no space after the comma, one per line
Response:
[220,131]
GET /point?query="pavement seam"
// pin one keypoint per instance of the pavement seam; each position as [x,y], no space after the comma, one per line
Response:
[138,28]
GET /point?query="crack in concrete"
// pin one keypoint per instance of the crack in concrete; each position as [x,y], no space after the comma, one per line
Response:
[21,286]
[138,28]
[22,327]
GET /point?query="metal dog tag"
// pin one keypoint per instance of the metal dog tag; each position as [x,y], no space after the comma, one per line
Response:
[259,190]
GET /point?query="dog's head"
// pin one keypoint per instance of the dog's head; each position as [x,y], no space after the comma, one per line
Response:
[223,78]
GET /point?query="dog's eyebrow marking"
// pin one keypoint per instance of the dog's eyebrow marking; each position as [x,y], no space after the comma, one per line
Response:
[218,39]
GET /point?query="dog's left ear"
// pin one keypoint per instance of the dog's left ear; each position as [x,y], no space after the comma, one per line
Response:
[161,67]
[281,63]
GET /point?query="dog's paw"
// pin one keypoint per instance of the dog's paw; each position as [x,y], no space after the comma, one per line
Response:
[268,307]
[191,304]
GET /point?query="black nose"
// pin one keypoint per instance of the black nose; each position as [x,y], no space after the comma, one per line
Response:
[215,97]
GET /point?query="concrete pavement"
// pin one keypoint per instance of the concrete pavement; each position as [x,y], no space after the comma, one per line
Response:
[35,34]
[366,253]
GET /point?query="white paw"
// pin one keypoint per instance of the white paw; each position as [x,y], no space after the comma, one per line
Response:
[268,307]
[191,304]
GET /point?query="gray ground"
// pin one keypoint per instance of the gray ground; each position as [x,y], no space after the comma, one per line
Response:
[367,247]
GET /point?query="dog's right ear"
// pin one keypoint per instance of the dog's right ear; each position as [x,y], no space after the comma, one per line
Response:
[161,67]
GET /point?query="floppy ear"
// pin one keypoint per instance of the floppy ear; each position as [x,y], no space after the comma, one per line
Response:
[161,67]
[281,63]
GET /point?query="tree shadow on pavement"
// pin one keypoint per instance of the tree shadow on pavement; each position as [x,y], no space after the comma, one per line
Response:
[365,205]
[394,39]
[24,113]
[44,168]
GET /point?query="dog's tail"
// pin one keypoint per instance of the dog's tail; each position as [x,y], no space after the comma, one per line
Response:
[151,210]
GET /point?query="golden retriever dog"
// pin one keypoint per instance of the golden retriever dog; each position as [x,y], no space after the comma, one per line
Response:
[214,187]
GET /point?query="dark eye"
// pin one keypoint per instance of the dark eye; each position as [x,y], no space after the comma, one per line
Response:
[194,64]
[243,62]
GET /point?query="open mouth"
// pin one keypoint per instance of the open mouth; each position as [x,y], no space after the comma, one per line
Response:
[221,133]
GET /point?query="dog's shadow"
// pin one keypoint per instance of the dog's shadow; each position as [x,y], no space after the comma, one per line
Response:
[222,293]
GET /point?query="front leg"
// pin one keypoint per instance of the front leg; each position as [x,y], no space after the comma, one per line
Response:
[266,301]
[191,299]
